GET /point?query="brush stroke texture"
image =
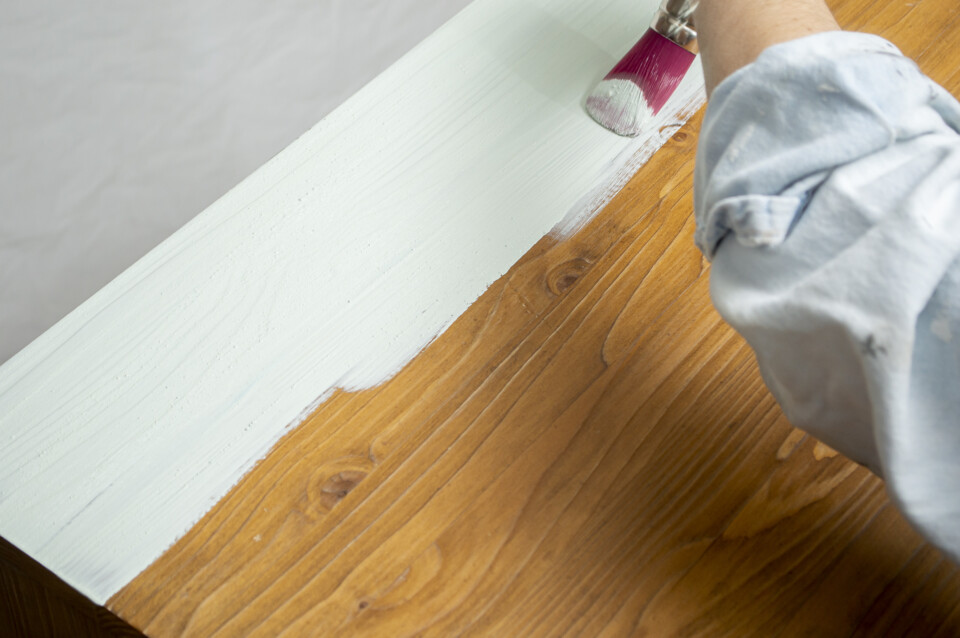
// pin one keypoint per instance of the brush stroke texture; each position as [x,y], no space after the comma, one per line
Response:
[331,266]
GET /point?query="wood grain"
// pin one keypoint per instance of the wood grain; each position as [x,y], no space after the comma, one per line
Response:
[34,603]
[588,451]
[331,266]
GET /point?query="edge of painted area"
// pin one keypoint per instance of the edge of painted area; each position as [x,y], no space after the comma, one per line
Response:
[331,266]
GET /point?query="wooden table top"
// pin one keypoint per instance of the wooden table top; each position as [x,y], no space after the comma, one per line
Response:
[588,451]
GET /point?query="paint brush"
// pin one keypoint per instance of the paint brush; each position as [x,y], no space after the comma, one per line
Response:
[641,83]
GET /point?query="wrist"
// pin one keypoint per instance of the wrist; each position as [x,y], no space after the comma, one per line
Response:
[732,33]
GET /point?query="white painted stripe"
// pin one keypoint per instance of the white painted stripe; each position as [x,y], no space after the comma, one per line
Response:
[331,266]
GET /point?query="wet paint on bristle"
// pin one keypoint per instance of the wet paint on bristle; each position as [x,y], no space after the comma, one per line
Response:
[640,84]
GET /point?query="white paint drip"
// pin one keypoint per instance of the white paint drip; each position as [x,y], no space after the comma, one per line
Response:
[331,266]
[620,106]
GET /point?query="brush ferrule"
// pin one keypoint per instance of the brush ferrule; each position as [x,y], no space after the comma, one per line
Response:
[674,22]
[682,10]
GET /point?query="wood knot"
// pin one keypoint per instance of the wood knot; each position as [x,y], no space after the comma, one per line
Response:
[681,136]
[561,278]
[336,488]
[671,131]
[331,483]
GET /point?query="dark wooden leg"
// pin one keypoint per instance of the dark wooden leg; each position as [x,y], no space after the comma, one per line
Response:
[34,603]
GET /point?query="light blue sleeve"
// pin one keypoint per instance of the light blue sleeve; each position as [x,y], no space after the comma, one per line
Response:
[827,195]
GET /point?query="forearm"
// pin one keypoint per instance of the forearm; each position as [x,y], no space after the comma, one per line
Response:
[732,33]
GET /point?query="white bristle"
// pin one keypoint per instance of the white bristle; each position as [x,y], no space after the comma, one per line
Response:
[620,106]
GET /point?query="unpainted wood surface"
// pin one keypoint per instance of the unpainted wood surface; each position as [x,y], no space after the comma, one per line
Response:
[588,451]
